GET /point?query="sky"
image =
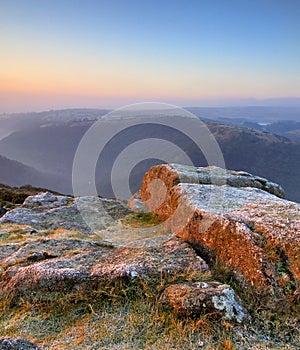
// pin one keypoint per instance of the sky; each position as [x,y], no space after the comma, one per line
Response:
[85,53]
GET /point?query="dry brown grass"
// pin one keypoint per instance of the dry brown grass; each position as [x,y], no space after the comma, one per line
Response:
[129,317]
[124,316]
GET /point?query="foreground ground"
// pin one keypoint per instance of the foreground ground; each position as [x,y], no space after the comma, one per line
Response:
[129,316]
[95,278]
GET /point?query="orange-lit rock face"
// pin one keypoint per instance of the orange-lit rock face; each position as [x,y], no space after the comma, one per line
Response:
[151,190]
[277,225]
[253,232]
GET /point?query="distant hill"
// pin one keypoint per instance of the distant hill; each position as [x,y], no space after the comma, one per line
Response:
[15,173]
[289,129]
[257,114]
[50,149]
[261,153]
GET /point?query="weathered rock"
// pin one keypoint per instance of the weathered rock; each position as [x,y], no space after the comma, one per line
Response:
[136,204]
[7,249]
[47,248]
[100,213]
[198,298]
[86,214]
[47,200]
[16,344]
[64,274]
[39,218]
[252,232]
[66,265]
[154,257]
[167,176]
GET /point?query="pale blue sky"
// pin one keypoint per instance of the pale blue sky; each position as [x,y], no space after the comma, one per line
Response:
[64,53]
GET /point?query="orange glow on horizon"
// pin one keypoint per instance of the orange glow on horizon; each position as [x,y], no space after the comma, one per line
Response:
[101,78]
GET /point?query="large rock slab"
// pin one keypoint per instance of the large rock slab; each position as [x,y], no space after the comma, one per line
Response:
[252,232]
[166,176]
[46,265]
[43,271]
[150,258]
[85,214]
[198,298]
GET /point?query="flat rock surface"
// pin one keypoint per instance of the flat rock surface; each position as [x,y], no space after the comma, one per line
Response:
[64,262]
[45,268]
[156,257]
[172,174]
[48,211]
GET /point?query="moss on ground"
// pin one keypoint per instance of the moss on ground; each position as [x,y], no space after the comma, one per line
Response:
[142,219]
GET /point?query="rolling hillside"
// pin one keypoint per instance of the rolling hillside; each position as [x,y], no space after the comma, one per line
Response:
[14,173]
[51,149]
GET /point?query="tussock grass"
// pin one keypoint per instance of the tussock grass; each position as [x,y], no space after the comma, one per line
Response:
[280,320]
[127,315]
[98,324]
[14,233]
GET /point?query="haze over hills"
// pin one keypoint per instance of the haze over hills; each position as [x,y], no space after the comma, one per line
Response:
[15,173]
[284,121]
[19,121]
[46,143]
[256,114]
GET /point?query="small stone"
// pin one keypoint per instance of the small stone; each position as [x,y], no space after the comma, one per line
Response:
[193,299]
[133,274]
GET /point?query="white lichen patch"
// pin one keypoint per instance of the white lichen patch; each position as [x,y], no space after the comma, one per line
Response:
[229,302]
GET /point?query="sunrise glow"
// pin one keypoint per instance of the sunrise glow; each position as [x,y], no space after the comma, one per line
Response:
[102,53]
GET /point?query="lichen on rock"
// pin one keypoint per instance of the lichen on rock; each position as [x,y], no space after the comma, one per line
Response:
[199,298]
